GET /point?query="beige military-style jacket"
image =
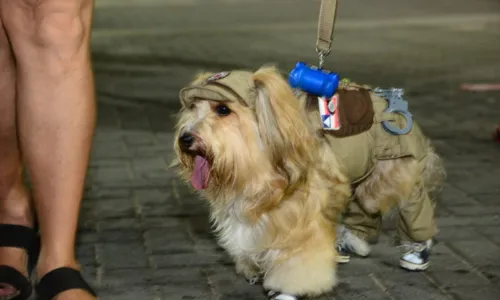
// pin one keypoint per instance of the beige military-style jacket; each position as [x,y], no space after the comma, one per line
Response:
[359,152]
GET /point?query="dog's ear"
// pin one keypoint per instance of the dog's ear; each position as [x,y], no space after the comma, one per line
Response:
[283,125]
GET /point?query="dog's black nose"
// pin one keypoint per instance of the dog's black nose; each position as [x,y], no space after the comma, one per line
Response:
[186,140]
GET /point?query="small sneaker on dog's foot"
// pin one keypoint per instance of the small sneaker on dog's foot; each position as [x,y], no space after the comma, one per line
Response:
[416,257]
[349,244]
[278,296]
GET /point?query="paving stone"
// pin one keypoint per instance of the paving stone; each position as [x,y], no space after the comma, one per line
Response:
[233,286]
[451,195]
[453,221]
[492,273]
[176,241]
[117,173]
[477,292]
[490,232]
[473,210]
[109,149]
[107,118]
[485,255]
[91,273]
[133,292]
[457,233]
[365,266]
[406,285]
[107,163]
[186,260]
[136,183]
[84,238]
[164,222]
[108,208]
[155,196]
[123,224]
[457,278]
[154,151]
[192,291]
[86,255]
[114,278]
[147,164]
[488,199]
[95,193]
[138,138]
[165,138]
[120,236]
[122,255]
[358,287]
[445,257]
[133,119]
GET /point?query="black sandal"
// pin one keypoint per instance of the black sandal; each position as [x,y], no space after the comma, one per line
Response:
[61,280]
[22,237]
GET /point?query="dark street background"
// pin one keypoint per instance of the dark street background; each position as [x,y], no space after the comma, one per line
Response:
[144,236]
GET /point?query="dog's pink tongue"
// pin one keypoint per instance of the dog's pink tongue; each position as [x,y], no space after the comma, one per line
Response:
[200,173]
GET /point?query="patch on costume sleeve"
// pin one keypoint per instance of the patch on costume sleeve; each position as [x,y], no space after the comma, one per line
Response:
[328,109]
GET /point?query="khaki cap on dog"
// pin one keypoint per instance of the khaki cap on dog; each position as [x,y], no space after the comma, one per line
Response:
[234,86]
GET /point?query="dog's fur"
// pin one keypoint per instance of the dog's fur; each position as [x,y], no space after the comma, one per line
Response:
[276,188]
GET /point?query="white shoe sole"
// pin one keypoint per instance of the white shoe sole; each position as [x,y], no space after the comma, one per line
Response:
[343,259]
[413,267]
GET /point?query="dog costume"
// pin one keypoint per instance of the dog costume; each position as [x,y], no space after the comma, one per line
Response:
[360,143]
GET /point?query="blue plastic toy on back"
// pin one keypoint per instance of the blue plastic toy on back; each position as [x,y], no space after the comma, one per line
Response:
[314,80]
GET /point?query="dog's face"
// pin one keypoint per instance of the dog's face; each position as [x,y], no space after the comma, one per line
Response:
[260,138]
[217,143]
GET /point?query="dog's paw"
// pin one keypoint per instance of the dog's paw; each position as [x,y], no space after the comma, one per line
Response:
[249,271]
[253,280]
[272,295]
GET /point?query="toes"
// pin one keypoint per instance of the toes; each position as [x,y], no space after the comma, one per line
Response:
[7,291]
[254,280]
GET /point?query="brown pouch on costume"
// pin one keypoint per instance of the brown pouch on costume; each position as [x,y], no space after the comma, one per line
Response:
[355,111]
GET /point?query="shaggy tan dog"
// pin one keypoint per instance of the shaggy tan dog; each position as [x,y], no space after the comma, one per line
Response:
[275,185]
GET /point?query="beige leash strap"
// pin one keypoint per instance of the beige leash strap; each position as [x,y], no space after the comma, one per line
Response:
[326,25]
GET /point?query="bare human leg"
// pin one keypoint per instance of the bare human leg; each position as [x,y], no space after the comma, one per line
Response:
[15,206]
[56,116]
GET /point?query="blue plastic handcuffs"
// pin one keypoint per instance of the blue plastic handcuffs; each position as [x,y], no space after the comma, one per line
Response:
[396,105]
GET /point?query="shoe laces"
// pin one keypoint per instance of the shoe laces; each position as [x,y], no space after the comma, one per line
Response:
[413,247]
[341,245]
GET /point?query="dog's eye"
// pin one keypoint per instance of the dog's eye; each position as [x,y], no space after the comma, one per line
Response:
[222,110]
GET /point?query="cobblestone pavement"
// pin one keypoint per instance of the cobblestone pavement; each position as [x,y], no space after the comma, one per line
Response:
[144,235]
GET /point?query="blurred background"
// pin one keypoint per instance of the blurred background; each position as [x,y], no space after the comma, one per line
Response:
[144,235]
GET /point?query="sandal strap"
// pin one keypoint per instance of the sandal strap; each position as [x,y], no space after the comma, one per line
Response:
[18,236]
[61,280]
[24,238]
[16,279]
